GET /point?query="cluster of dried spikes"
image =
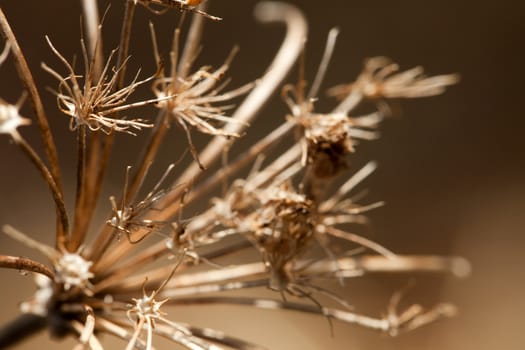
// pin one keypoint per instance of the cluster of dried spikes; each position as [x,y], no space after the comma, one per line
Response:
[280,209]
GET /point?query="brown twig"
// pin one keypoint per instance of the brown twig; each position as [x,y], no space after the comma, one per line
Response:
[47,137]
[50,180]
[25,264]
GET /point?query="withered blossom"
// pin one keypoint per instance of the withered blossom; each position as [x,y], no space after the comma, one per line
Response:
[381,78]
[196,100]
[96,102]
[298,228]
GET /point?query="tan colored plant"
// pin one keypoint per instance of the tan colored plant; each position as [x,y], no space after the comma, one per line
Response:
[286,210]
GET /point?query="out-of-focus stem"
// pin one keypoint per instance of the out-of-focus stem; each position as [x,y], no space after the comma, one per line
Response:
[118,331]
[92,23]
[20,329]
[192,44]
[352,266]
[349,103]
[270,304]
[325,61]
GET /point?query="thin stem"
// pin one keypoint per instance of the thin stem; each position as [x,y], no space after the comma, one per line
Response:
[25,264]
[270,304]
[92,25]
[350,184]
[117,331]
[125,36]
[325,61]
[44,249]
[5,53]
[362,241]
[149,153]
[114,274]
[79,230]
[50,180]
[349,103]
[178,292]
[224,339]
[93,161]
[191,46]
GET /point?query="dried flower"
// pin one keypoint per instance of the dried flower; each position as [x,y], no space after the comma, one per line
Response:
[381,78]
[192,101]
[183,5]
[285,210]
[93,103]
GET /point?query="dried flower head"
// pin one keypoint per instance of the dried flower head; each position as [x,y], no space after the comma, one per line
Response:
[97,101]
[326,138]
[5,53]
[196,101]
[381,78]
[286,211]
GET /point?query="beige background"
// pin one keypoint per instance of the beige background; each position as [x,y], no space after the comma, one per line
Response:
[451,168]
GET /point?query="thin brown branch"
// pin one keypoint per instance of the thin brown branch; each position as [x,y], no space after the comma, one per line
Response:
[47,137]
[79,230]
[29,84]
[354,266]
[55,191]
[25,264]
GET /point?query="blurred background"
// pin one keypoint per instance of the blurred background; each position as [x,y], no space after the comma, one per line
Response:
[451,167]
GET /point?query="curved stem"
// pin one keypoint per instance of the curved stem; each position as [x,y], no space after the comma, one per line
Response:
[53,186]
[47,137]
[25,264]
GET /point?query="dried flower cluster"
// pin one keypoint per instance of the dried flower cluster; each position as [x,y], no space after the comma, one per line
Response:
[122,280]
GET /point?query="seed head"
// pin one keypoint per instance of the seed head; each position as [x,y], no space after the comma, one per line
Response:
[95,102]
